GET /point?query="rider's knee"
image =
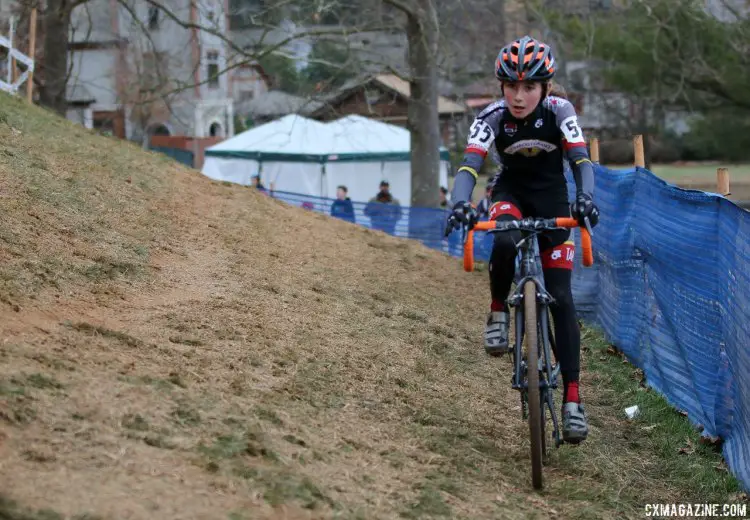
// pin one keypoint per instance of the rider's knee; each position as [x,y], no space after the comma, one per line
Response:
[504,246]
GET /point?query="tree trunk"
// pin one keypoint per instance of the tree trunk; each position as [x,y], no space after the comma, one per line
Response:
[424,124]
[55,63]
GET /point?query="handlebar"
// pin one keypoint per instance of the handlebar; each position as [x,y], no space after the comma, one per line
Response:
[528,224]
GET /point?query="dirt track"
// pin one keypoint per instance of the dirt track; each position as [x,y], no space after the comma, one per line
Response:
[178,348]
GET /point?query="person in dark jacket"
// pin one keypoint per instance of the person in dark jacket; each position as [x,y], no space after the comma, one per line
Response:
[384,210]
[342,207]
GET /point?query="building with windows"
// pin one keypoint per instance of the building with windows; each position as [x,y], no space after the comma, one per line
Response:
[147,70]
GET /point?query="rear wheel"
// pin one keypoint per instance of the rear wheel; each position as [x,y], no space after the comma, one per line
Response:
[531,340]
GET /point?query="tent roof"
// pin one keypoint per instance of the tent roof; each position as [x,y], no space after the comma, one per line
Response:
[294,138]
[290,135]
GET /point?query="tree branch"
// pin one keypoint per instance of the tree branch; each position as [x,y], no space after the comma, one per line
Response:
[406,8]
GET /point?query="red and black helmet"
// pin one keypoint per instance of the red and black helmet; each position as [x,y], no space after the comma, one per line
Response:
[525,59]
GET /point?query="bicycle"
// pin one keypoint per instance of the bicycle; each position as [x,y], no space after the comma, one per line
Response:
[531,302]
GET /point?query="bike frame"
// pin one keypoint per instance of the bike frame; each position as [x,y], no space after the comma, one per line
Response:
[531,269]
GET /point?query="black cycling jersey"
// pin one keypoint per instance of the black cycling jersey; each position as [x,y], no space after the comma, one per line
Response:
[530,150]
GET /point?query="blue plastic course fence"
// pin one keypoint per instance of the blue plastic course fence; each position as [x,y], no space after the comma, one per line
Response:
[424,224]
[670,287]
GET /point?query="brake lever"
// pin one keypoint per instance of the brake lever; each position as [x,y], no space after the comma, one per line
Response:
[448,229]
[588,226]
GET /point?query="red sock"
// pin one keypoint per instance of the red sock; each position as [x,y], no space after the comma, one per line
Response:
[497,306]
[571,393]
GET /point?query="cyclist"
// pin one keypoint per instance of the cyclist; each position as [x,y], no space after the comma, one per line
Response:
[532,132]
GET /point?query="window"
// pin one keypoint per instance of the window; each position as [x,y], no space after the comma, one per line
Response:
[212,70]
[153,18]
[246,95]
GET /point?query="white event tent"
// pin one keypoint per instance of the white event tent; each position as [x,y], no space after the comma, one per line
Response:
[309,157]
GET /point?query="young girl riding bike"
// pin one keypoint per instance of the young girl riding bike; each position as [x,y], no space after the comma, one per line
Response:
[532,132]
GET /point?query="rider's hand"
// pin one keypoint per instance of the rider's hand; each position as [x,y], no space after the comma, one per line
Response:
[584,207]
[463,214]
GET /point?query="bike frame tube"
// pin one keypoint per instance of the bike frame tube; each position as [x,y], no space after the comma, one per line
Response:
[531,269]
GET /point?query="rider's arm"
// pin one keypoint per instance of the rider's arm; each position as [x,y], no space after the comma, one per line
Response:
[574,145]
[481,137]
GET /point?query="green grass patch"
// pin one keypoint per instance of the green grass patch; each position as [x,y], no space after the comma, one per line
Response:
[657,456]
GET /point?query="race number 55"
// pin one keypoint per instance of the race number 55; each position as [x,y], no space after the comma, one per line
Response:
[480,135]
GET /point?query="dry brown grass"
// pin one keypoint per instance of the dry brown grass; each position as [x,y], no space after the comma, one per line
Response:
[179,348]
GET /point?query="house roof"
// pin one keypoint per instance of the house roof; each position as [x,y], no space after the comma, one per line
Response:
[277,103]
[394,84]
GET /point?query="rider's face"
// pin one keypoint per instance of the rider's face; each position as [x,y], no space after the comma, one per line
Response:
[522,97]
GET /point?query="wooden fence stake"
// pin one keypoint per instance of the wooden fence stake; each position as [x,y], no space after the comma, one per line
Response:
[722,182]
[594,150]
[640,156]
[32,52]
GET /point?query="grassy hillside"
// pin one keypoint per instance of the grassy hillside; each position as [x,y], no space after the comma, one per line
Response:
[175,348]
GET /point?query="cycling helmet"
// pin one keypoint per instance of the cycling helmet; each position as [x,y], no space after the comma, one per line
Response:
[525,59]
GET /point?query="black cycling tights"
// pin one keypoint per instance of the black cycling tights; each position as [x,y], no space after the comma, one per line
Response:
[558,284]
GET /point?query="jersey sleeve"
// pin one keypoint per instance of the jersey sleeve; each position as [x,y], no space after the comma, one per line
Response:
[479,142]
[574,144]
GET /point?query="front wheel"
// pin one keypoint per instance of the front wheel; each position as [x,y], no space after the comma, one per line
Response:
[531,340]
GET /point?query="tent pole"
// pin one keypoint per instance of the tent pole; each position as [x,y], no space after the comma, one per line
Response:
[323,183]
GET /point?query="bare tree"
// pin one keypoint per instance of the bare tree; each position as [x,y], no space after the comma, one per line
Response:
[422,31]
[56,30]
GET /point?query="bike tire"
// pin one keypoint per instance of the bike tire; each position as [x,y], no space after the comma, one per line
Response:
[531,340]
[542,408]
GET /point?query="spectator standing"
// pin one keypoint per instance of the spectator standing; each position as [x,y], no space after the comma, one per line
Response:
[342,207]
